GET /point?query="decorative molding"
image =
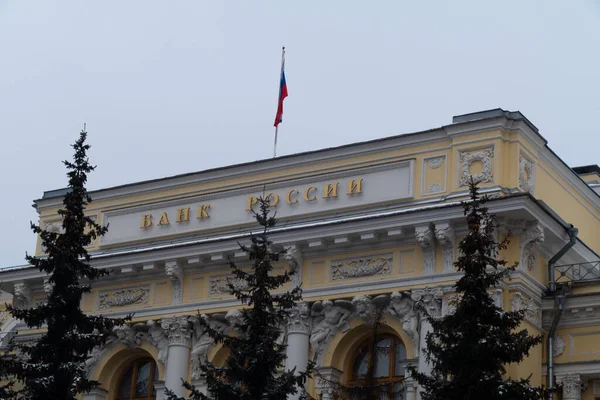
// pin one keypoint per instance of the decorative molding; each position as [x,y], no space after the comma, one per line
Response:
[22,296]
[559,345]
[444,233]
[174,271]
[425,237]
[533,311]
[433,163]
[402,306]
[178,331]
[531,239]
[294,259]
[157,336]
[218,285]
[428,300]
[526,173]
[359,267]
[436,162]
[299,321]
[123,297]
[467,158]
[572,386]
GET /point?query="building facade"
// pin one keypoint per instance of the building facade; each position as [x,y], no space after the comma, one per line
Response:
[372,222]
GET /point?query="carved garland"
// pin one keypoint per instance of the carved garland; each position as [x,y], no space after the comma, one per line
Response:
[123,297]
[361,267]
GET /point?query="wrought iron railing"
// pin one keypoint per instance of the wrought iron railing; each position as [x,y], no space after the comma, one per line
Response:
[580,272]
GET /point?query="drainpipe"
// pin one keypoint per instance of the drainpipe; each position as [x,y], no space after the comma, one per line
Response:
[572,231]
[559,304]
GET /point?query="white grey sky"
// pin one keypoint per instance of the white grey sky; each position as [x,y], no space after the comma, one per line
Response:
[169,87]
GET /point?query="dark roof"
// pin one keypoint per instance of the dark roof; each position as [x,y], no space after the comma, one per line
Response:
[587,169]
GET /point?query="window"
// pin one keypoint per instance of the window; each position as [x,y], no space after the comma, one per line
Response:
[389,355]
[137,383]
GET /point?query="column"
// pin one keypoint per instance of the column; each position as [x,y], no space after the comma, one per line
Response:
[159,386]
[572,386]
[411,389]
[429,303]
[96,393]
[179,334]
[298,333]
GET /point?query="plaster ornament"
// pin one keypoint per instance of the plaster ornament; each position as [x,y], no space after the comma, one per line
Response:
[425,237]
[175,273]
[178,330]
[299,320]
[434,188]
[533,312]
[402,306]
[328,319]
[572,386]
[361,267]
[444,234]
[559,346]
[436,162]
[21,295]
[428,301]
[467,158]
[48,286]
[363,307]
[526,174]
[294,260]
[124,297]
[158,338]
[203,342]
[530,240]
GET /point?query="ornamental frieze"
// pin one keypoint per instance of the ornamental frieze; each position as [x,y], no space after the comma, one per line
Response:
[124,297]
[360,267]
[220,285]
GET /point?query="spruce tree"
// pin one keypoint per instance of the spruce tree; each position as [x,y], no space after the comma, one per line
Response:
[53,367]
[469,349]
[253,369]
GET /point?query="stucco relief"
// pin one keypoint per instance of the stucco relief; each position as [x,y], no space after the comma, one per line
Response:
[293,257]
[526,174]
[22,295]
[362,267]
[299,321]
[434,188]
[403,307]
[467,158]
[175,273]
[123,297]
[428,301]
[220,285]
[559,345]
[572,386]
[444,234]
[530,240]
[329,317]
[436,162]
[533,311]
[425,237]
[203,342]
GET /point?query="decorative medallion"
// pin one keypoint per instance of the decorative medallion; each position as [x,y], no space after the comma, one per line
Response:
[434,188]
[467,158]
[123,297]
[435,162]
[361,267]
[559,345]
[526,173]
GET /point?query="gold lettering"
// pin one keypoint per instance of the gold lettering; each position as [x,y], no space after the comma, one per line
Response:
[146,221]
[273,199]
[354,187]
[183,214]
[330,190]
[307,194]
[251,202]
[164,220]
[288,198]
[203,211]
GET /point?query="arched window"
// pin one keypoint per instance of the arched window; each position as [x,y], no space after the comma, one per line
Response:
[137,383]
[388,356]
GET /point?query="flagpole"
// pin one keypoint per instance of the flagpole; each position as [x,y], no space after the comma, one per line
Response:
[278,99]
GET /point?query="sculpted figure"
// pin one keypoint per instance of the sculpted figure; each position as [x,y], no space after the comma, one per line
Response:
[402,307]
[203,341]
[330,317]
[158,338]
[363,307]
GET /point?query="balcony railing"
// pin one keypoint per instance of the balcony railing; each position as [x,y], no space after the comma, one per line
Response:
[577,272]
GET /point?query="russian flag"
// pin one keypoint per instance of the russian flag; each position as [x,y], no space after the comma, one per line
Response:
[283,93]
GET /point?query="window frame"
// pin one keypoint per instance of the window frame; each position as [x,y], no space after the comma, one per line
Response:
[135,366]
[390,379]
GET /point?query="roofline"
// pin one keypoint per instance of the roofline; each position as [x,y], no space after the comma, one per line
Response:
[587,169]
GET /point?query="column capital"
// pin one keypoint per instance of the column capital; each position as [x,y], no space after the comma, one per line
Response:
[299,321]
[572,386]
[178,330]
[430,300]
